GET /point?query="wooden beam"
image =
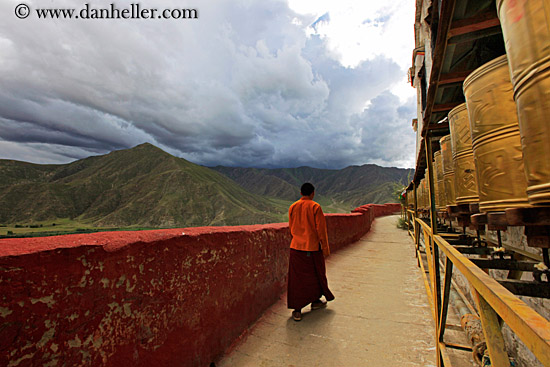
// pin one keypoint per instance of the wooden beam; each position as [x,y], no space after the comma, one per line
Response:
[528,216]
[492,330]
[445,106]
[456,77]
[446,14]
[473,24]
[440,126]
[458,346]
[472,36]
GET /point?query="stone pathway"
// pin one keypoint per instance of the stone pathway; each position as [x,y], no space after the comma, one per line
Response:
[380,317]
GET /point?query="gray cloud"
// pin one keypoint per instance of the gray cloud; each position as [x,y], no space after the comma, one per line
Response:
[242,85]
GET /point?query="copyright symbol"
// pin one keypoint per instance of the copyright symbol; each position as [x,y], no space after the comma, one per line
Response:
[22,11]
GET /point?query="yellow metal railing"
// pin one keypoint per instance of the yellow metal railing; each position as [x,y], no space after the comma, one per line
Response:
[494,302]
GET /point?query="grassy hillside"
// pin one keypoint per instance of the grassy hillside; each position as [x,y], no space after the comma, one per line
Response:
[143,186]
[344,189]
[262,182]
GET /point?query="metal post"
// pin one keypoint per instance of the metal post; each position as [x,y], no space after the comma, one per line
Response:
[431,184]
[493,333]
[436,280]
[446,296]
[416,225]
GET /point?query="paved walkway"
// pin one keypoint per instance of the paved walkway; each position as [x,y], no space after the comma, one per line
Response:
[380,317]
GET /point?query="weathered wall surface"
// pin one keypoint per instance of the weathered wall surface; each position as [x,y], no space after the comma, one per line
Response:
[344,229]
[378,210]
[149,298]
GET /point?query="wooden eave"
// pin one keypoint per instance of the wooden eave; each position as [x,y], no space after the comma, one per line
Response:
[446,15]
[454,57]
[473,24]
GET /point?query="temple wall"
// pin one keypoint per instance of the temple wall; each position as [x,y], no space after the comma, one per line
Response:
[176,297]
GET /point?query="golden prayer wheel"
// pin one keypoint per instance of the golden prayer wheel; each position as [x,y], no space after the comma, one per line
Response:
[463,156]
[448,170]
[420,197]
[436,195]
[532,96]
[440,198]
[526,32]
[495,137]
[426,191]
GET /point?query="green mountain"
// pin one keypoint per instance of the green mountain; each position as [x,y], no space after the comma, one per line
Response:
[147,187]
[346,188]
[142,186]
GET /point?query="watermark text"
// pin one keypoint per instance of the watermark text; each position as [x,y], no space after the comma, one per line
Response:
[111,11]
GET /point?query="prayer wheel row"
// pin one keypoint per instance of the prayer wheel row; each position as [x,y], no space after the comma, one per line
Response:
[463,156]
[526,32]
[498,151]
[495,137]
[422,199]
[485,144]
[448,171]
[423,194]
[419,195]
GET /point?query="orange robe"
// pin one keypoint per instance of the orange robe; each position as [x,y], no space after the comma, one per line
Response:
[307,280]
[308,226]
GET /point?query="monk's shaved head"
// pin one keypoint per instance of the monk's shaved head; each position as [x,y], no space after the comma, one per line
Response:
[307,189]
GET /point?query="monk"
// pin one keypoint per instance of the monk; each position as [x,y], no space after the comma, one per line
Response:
[307,280]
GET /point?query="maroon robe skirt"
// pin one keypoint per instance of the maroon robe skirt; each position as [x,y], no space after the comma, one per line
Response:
[307,280]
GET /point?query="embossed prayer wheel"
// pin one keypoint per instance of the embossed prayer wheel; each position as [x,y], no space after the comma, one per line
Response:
[419,198]
[440,198]
[495,137]
[533,104]
[526,32]
[436,193]
[424,193]
[463,156]
[448,170]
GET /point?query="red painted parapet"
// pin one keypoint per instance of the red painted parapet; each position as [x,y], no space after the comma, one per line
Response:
[344,229]
[379,209]
[150,298]
[146,298]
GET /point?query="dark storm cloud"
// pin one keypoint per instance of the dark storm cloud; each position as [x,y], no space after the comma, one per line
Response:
[241,86]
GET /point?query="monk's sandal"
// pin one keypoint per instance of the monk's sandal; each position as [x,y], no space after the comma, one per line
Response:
[296,315]
[318,304]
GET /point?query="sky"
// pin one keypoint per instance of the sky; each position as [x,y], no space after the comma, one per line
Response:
[249,83]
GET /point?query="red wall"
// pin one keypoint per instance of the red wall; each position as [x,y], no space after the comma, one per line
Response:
[174,297]
[379,209]
[344,229]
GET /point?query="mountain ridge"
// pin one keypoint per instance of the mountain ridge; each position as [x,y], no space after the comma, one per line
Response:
[139,186]
[146,186]
[354,185]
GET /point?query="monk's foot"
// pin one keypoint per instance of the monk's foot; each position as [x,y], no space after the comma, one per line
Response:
[318,304]
[297,315]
